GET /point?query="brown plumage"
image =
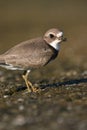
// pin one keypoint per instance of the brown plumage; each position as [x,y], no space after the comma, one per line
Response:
[33,53]
[23,57]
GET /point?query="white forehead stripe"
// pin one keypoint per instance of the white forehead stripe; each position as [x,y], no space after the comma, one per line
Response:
[55,44]
[60,34]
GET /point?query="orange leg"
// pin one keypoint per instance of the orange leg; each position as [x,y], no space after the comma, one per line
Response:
[29,85]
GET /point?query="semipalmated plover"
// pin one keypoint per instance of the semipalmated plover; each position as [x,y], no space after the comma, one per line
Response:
[32,54]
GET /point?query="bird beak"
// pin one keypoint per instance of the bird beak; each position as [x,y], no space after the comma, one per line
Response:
[64,39]
[60,37]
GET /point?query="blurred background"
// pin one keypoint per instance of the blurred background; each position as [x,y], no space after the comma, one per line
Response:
[21,20]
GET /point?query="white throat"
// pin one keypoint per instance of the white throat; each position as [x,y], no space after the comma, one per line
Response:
[55,44]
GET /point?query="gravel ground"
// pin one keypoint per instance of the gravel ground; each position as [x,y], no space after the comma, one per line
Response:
[61,104]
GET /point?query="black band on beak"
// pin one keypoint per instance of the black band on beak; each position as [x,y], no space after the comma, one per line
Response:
[64,39]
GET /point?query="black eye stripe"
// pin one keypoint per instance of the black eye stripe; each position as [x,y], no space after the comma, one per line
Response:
[51,35]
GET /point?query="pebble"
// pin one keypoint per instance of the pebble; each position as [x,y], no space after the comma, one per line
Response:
[19,120]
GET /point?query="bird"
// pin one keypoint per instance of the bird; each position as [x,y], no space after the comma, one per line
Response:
[32,54]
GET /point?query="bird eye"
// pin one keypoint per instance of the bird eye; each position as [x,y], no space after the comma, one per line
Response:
[51,36]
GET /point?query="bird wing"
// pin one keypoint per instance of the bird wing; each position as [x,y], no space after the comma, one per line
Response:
[35,52]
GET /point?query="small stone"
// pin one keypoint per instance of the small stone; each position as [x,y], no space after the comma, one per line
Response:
[19,121]
[21,107]
[20,100]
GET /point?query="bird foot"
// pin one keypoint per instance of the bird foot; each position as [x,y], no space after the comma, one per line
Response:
[36,90]
[32,88]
